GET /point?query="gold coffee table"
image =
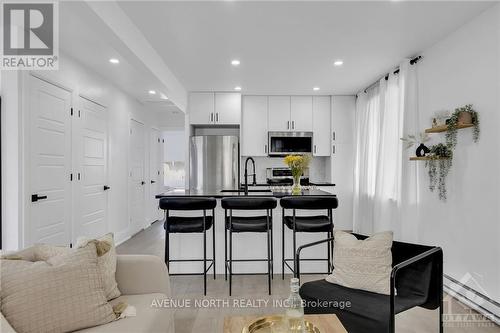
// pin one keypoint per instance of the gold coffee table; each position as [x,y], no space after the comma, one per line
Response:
[326,323]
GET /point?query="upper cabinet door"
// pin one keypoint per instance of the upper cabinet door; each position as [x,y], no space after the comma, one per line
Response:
[343,109]
[254,126]
[227,108]
[201,108]
[321,125]
[279,113]
[301,113]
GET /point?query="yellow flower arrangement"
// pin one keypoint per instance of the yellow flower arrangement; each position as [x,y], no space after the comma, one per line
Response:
[297,164]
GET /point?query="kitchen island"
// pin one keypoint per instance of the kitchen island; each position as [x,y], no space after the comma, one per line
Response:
[247,245]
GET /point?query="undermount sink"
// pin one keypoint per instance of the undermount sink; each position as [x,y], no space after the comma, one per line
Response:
[264,190]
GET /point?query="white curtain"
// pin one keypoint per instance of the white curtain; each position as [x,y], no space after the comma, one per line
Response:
[384,114]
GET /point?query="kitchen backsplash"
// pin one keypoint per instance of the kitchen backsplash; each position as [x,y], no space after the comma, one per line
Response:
[317,168]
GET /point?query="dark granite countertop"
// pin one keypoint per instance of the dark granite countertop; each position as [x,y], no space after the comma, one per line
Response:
[225,194]
[310,183]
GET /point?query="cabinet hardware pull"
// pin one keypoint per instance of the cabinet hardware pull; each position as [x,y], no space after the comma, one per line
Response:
[152,182]
[211,117]
[106,187]
[143,182]
[36,197]
[288,124]
[333,149]
[293,124]
[315,149]
[333,135]
[217,117]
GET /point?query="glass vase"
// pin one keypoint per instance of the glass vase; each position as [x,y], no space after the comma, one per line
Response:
[296,187]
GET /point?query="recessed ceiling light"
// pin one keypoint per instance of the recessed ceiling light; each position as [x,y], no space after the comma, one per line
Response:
[338,63]
[114,61]
[152,92]
[316,88]
[237,88]
[235,62]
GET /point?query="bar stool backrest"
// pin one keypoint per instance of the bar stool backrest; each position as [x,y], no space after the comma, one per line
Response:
[312,202]
[249,203]
[184,203]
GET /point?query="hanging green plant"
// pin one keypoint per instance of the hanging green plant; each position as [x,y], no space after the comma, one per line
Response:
[462,115]
[439,165]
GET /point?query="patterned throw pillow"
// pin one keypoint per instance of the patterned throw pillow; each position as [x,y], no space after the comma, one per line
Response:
[362,264]
[62,294]
[106,260]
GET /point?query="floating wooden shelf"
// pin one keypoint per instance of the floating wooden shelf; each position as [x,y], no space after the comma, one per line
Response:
[444,128]
[425,158]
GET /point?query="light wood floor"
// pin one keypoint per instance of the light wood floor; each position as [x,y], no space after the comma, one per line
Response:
[208,320]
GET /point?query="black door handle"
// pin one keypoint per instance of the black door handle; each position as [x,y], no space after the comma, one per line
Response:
[152,182]
[36,197]
[143,182]
[106,187]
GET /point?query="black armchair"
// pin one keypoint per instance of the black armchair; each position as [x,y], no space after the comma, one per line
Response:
[417,276]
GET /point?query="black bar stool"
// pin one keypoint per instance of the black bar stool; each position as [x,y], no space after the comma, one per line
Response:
[248,224]
[317,223]
[191,224]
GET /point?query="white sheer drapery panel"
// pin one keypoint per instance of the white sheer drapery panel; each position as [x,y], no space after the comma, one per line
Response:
[384,180]
[367,140]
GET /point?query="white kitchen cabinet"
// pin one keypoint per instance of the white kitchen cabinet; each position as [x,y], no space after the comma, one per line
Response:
[227,108]
[321,125]
[254,126]
[201,108]
[279,113]
[342,165]
[343,109]
[301,113]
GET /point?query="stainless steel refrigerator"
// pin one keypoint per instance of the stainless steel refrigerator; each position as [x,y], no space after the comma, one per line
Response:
[214,163]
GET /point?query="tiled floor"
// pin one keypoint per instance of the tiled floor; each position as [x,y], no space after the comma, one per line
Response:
[254,288]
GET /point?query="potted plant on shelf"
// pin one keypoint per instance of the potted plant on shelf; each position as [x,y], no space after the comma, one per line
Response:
[411,140]
[465,115]
[439,165]
[297,164]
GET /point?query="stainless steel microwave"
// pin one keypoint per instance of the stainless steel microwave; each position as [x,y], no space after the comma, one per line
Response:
[285,143]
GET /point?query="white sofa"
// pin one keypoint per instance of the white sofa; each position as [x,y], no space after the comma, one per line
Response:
[141,279]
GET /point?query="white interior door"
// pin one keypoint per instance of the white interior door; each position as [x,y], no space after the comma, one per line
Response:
[49,165]
[137,177]
[90,179]
[155,158]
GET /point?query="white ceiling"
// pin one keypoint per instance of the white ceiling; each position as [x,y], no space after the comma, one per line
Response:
[85,37]
[289,47]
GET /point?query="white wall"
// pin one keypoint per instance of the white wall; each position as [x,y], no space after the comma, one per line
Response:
[11,163]
[120,107]
[461,69]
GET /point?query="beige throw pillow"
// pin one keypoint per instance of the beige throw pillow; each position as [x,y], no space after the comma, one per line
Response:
[106,260]
[61,295]
[362,264]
